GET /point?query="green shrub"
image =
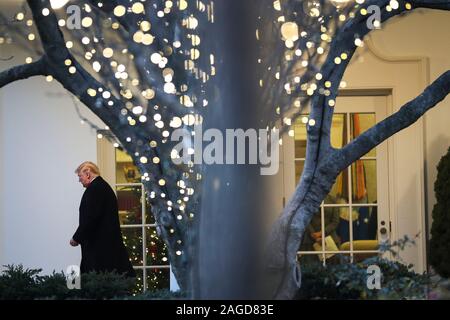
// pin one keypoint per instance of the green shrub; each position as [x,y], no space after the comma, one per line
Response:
[160,295]
[52,287]
[17,283]
[104,286]
[349,280]
[440,230]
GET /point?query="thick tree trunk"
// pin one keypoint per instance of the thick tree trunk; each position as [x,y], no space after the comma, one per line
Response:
[234,203]
[284,272]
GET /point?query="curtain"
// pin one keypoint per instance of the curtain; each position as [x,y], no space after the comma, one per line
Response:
[359,182]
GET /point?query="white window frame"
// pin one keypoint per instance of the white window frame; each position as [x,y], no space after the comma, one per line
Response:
[383,205]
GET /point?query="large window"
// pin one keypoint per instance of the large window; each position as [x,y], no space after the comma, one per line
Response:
[147,251]
[347,220]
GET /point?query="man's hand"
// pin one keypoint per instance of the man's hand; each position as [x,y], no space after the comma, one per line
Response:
[317,235]
[73,243]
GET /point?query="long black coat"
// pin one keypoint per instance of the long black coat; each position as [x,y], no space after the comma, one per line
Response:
[99,233]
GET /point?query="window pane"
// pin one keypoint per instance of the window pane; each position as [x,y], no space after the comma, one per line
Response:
[150,219]
[366,226]
[343,228]
[129,203]
[339,192]
[132,239]
[300,138]
[312,233]
[339,135]
[299,165]
[361,122]
[332,219]
[139,281]
[339,130]
[156,249]
[364,181]
[158,278]
[126,171]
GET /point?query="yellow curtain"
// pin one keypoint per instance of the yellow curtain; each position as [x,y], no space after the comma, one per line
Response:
[359,182]
[341,181]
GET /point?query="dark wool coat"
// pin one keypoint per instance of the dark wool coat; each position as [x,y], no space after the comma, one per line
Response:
[99,233]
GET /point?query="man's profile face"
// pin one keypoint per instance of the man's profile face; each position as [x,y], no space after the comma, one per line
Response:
[84,178]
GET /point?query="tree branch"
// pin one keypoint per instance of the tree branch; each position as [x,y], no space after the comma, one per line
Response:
[432,4]
[24,71]
[406,116]
[133,138]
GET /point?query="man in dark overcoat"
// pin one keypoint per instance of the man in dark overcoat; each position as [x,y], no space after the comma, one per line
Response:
[98,233]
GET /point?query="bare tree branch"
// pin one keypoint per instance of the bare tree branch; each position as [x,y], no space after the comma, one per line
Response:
[406,116]
[24,71]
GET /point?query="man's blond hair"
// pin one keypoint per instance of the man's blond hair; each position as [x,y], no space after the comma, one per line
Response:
[88,166]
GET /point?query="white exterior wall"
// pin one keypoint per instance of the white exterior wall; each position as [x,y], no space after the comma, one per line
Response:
[424,33]
[41,143]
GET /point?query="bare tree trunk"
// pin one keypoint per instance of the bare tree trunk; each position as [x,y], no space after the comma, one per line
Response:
[233,205]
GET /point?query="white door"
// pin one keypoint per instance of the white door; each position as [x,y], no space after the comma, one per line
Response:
[354,218]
